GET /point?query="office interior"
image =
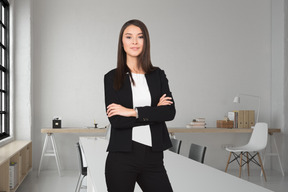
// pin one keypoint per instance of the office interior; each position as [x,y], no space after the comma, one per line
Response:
[210,50]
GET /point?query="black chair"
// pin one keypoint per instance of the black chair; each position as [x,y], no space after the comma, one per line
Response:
[83,170]
[197,152]
[176,145]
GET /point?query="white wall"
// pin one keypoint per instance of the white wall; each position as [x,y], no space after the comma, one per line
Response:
[285,137]
[210,51]
[277,60]
[22,71]
[277,74]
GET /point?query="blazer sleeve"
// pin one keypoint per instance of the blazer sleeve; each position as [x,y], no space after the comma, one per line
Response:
[161,113]
[117,121]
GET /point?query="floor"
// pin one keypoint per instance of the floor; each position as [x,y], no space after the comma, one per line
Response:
[275,181]
[49,181]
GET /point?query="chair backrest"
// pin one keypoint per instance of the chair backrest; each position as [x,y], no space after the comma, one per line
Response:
[197,152]
[176,145]
[259,136]
[80,157]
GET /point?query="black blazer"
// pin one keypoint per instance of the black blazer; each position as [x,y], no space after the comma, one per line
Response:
[121,127]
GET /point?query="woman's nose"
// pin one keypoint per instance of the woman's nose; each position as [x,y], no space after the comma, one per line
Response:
[134,41]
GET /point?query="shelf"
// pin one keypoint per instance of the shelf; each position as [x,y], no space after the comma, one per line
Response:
[19,152]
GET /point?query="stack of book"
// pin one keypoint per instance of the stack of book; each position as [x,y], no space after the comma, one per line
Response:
[197,123]
[242,118]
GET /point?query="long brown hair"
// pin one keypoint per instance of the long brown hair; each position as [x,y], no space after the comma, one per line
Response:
[144,59]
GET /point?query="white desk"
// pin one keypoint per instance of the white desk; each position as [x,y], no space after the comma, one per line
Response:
[185,174]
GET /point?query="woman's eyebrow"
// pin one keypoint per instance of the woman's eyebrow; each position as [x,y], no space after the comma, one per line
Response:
[131,34]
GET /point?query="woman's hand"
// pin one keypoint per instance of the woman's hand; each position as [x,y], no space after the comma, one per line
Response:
[165,100]
[116,109]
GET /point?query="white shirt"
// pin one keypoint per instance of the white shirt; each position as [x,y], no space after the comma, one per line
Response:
[141,97]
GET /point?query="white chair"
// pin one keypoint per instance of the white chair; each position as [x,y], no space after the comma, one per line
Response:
[257,142]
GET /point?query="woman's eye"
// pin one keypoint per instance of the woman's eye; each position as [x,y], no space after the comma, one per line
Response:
[141,37]
[128,37]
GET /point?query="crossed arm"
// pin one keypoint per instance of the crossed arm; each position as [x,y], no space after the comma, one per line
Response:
[121,116]
[117,109]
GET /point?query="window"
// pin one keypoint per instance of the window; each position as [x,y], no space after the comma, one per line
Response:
[4,69]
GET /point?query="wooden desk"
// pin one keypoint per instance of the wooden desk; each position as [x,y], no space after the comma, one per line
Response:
[73,130]
[185,174]
[171,130]
[217,130]
[50,136]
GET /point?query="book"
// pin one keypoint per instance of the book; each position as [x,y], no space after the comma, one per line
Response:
[251,118]
[195,126]
[231,116]
[241,119]
[197,123]
[13,173]
[199,119]
[235,119]
[245,119]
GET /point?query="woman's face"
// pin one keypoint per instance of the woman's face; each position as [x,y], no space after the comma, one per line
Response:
[133,41]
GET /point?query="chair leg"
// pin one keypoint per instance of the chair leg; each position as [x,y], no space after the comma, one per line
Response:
[80,184]
[261,166]
[240,166]
[248,163]
[77,186]
[228,162]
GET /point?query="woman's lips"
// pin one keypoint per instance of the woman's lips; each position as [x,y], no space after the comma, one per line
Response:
[135,48]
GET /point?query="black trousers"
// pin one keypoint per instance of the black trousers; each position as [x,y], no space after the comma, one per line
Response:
[142,165]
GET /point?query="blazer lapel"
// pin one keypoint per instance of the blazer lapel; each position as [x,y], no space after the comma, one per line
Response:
[125,93]
[154,87]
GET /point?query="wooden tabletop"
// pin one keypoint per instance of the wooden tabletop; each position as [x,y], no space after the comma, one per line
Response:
[73,130]
[171,130]
[217,130]
[9,150]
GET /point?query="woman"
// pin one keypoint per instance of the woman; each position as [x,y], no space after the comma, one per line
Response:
[138,102]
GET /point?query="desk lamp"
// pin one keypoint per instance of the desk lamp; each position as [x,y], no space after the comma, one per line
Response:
[237,100]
